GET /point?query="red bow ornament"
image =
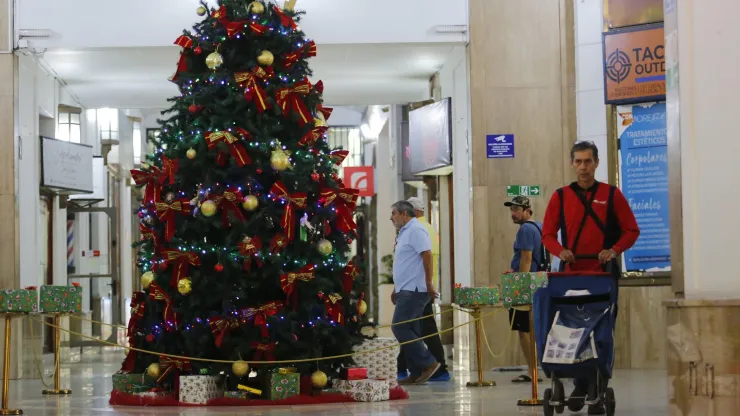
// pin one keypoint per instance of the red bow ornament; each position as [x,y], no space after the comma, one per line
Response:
[308,50]
[289,283]
[170,317]
[232,28]
[175,366]
[229,203]
[249,248]
[166,213]
[325,111]
[313,135]
[237,150]
[169,168]
[150,179]
[350,273]
[289,100]
[148,233]
[345,202]
[252,82]
[334,308]
[182,262]
[263,350]
[137,313]
[220,326]
[338,156]
[184,41]
[278,243]
[292,201]
[286,20]
[260,315]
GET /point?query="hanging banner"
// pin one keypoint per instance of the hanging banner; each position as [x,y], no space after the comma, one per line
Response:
[644,182]
[634,65]
[430,137]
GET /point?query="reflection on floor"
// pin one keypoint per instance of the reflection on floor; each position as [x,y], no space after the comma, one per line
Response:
[638,393]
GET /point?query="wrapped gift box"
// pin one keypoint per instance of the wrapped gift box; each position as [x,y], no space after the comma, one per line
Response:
[19,300]
[355,373]
[200,389]
[237,394]
[518,288]
[133,383]
[381,365]
[61,299]
[364,390]
[477,295]
[282,386]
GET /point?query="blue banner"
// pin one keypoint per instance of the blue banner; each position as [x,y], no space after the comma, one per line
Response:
[644,182]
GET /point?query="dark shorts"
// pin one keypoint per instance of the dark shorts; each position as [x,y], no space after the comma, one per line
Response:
[521,320]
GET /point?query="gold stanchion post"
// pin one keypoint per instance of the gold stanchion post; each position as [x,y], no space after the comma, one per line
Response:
[6,371]
[534,363]
[479,351]
[57,344]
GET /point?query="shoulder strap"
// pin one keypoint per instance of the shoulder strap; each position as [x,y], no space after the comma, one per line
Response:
[563,228]
[544,256]
[587,211]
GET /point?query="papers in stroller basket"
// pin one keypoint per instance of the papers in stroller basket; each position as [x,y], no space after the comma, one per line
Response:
[571,336]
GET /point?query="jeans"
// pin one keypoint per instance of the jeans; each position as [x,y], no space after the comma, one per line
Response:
[434,344]
[410,305]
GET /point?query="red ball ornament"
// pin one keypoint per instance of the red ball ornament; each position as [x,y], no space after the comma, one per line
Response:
[150,338]
[161,266]
[193,109]
[349,241]
[334,176]
[259,171]
[198,50]
[219,267]
[315,177]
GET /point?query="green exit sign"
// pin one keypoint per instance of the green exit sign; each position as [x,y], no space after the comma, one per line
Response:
[523,190]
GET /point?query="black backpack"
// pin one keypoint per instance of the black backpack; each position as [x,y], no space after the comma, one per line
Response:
[544,265]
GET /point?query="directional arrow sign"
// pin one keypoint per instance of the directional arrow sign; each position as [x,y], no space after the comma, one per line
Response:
[522,190]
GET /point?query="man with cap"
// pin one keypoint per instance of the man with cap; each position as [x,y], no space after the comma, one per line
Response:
[428,325]
[529,256]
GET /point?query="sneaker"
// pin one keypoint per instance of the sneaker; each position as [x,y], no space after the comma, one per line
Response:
[402,375]
[428,372]
[409,380]
[596,409]
[441,375]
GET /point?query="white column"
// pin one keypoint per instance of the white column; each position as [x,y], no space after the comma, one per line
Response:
[709,108]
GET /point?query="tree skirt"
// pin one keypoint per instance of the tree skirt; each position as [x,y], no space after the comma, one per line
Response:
[118,398]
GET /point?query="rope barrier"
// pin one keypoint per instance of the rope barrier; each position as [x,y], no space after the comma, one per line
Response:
[304,360]
[36,356]
[508,339]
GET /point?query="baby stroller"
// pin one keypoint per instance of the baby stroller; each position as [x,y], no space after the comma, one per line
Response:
[574,319]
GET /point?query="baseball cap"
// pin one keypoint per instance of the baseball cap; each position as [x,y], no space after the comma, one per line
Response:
[519,201]
[417,203]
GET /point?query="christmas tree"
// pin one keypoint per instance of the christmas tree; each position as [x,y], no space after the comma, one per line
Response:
[246,225]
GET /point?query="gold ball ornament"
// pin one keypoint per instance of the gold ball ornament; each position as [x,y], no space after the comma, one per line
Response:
[362,307]
[319,121]
[147,279]
[208,208]
[153,370]
[240,368]
[324,247]
[250,203]
[257,7]
[185,286]
[191,153]
[214,60]
[319,379]
[201,11]
[280,161]
[266,58]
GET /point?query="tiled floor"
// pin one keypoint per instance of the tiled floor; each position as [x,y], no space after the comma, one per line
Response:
[638,393]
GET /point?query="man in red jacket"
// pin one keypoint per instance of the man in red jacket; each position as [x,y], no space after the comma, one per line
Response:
[595,220]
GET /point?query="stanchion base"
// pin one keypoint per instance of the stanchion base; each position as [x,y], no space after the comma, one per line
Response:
[11,412]
[529,402]
[481,383]
[55,391]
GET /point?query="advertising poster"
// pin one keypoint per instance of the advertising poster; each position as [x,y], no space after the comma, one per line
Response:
[634,65]
[430,136]
[644,182]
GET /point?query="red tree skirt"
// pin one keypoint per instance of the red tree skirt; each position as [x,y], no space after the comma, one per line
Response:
[118,398]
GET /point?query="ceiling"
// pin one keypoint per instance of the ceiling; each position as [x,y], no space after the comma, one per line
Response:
[353,74]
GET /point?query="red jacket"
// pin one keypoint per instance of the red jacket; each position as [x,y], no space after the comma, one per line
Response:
[592,239]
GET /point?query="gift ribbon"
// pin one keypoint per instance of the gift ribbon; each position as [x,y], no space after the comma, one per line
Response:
[229,202]
[150,179]
[249,249]
[333,308]
[295,200]
[176,367]
[182,261]
[253,87]
[308,50]
[236,149]
[289,100]
[220,326]
[345,202]
[166,213]
[260,315]
[338,156]
[285,20]
[264,350]
[157,293]
[148,233]
[310,138]
[278,243]
[233,28]
[289,283]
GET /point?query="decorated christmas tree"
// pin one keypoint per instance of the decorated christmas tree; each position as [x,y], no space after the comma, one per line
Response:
[245,224]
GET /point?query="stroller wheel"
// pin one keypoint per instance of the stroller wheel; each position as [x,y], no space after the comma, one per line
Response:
[546,406]
[610,402]
[558,395]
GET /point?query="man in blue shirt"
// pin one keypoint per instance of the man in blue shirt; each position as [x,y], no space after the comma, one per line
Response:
[412,276]
[528,257]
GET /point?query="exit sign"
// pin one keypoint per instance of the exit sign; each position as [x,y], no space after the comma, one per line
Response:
[522,190]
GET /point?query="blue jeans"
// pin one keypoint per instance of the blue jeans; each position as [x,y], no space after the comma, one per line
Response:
[410,305]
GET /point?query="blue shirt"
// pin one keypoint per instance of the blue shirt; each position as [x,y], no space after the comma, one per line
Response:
[528,238]
[408,268]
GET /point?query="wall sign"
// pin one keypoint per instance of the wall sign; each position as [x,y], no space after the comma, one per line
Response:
[644,182]
[522,190]
[66,166]
[621,13]
[361,178]
[634,65]
[499,146]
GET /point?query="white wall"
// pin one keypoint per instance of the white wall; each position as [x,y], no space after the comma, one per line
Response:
[453,81]
[590,107]
[709,56]
[158,23]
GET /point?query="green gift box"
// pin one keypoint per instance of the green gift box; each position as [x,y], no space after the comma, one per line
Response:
[477,295]
[518,288]
[19,300]
[133,383]
[283,386]
[61,299]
